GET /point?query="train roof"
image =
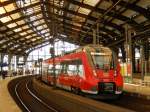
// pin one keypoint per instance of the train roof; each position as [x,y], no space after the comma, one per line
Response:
[96,49]
[93,47]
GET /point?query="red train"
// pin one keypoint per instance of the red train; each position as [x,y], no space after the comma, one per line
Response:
[90,69]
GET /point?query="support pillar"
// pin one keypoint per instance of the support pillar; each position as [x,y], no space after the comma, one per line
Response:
[142,61]
[94,36]
[133,59]
[25,64]
[123,54]
[1,62]
[130,54]
[9,64]
[129,44]
[17,62]
[146,56]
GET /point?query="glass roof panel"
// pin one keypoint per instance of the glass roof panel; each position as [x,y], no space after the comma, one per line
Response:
[45,26]
[43,31]
[2,10]
[91,2]
[42,21]
[37,8]
[33,39]
[12,25]
[29,31]
[78,19]
[47,34]
[84,10]
[73,7]
[21,22]
[36,23]
[129,13]
[5,19]
[15,16]
[105,5]
[10,7]
[34,34]
[143,3]
[38,37]
[17,30]
[39,27]
[3,0]
[24,33]
[28,36]
[140,19]
[25,27]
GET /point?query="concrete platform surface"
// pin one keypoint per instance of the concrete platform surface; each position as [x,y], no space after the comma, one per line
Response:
[7,104]
[140,90]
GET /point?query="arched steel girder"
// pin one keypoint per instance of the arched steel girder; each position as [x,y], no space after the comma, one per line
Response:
[19,10]
[73,31]
[30,43]
[22,25]
[120,17]
[82,15]
[23,17]
[103,29]
[24,30]
[136,8]
[115,26]
[14,52]
[7,37]
[92,18]
[84,31]
[19,38]
[37,48]
[83,5]
[133,7]
[122,3]
[35,36]
[34,42]
[39,44]
[78,27]
[32,14]
[22,37]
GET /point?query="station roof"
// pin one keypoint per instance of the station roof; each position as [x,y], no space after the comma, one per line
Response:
[27,24]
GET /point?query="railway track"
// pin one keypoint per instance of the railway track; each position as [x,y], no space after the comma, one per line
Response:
[27,99]
[30,101]
[131,102]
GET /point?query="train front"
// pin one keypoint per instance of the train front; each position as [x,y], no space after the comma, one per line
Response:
[106,72]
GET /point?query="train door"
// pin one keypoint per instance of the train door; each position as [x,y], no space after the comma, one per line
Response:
[63,74]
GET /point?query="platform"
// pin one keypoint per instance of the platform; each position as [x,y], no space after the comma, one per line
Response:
[7,104]
[7,101]
[138,90]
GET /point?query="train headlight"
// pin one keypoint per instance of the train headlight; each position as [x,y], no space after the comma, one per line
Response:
[115,73]
[94,72]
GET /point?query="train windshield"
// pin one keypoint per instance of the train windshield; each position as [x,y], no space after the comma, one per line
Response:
[101,60]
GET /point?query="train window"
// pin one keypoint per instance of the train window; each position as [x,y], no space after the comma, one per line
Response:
[101,61]
[57,69]
[72,70]
[80,70]
[64,67]
[73,67]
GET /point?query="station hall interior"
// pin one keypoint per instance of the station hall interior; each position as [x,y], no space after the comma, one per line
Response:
[34,32]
